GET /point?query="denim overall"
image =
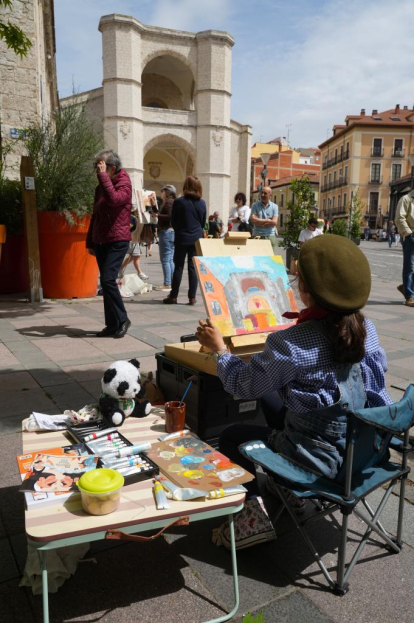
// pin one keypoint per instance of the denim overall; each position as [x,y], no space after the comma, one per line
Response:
[316,440]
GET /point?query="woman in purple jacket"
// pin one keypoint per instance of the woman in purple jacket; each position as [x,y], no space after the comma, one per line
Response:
[109,235]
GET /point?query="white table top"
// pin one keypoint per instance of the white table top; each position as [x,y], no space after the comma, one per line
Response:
[68,519]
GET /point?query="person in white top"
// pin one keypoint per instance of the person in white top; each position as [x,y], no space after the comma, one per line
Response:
[311,231]
[240,214]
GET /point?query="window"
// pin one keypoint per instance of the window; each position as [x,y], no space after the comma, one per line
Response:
[282,197]
[329,179]
[324,205]
[275,199]
[281,220]
[395,119]
[377,147]
[346,174]
[376,173]
[324,180]
[339,201]
[203,269]
[333,203]
[334,180]
[342,151]
[216,309]
[340,174]
[347,148]
[376,118]
[395,172]
[325,162]
[344,200]
[373,201]
[398,147]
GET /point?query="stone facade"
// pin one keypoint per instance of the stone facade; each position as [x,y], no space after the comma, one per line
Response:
[28,86]
[166,97]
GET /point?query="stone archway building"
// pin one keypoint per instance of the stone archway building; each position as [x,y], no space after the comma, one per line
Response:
[165,108]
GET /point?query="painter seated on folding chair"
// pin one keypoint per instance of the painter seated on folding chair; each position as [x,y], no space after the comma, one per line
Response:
[308,376]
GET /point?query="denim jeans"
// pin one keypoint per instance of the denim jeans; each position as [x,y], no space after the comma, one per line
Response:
[408,266]
[166,246]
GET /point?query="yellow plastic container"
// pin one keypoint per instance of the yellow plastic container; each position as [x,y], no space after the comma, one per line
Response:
[101,491]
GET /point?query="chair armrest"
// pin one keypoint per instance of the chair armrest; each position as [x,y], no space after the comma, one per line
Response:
[394,418]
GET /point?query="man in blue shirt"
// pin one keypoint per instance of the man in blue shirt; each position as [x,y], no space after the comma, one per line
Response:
[264,217]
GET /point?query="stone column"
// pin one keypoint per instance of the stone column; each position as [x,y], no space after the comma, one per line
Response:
[212,103]
[123,126]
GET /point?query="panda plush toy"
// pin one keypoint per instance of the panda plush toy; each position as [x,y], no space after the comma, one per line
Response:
[121,387]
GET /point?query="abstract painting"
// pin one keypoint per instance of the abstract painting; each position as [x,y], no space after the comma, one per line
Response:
[246,294]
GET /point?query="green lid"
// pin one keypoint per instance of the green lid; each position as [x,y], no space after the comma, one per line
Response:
[100,481]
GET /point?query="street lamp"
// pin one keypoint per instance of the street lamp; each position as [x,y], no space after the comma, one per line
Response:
[265,159]
[411,158]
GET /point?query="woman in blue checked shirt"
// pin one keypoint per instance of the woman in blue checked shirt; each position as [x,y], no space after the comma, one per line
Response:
[308,375]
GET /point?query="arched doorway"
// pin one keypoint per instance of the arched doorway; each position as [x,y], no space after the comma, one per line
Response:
[167,160]
[167,82]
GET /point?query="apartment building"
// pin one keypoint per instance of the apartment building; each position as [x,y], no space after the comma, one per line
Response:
[282,194]
[365,155]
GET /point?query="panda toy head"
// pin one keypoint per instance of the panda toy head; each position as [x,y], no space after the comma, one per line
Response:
[122,379]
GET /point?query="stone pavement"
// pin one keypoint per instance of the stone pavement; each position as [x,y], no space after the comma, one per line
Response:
[50,360]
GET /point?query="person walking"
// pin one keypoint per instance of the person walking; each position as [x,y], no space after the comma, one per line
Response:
[405,224]
[367,232]
[188,217]
[166,235]
[109,236]
[264,217]
[391,229]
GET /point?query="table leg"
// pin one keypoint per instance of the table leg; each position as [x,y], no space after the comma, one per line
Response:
[45,592]
[228,616]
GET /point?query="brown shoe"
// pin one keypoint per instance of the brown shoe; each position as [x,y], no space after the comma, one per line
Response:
[401,289]
[169,301]
[192,301]
[410,302]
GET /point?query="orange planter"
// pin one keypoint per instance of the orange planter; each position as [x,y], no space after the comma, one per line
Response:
[68,271]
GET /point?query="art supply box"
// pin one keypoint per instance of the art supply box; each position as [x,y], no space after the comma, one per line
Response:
[77,433]
[209,409]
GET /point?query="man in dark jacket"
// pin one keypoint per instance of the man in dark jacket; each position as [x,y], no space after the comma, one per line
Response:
[109,235]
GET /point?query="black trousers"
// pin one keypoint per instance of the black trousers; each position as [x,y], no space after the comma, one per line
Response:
[180,253]
[109,257]
[233,436]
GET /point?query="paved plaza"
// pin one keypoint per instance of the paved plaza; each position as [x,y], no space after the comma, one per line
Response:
[51,361]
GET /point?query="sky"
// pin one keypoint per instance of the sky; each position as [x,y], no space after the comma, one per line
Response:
[298,66]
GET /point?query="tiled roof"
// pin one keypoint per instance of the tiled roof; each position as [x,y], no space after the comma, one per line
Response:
[313,178]
[395,117]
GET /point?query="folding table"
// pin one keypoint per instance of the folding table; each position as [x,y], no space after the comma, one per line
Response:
[61,524]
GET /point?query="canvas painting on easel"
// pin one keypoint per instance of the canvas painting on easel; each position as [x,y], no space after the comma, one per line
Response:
[246,294]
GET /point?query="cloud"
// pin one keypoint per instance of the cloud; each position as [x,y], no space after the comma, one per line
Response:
[190,15]
[350,55]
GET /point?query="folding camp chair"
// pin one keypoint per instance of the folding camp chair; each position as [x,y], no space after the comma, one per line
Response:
[366,468]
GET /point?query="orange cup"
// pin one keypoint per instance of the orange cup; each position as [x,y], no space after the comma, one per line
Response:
[174,416]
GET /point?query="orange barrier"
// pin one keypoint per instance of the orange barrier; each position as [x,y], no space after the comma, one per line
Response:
[68,271]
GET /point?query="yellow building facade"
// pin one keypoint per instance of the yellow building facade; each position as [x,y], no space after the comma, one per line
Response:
[361,159]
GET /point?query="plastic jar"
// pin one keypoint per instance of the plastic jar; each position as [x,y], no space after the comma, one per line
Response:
[101,490]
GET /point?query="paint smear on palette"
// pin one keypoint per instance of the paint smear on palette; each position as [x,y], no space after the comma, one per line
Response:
[216,483]
[167,455]
[176,468]
[193,473]
[191,459]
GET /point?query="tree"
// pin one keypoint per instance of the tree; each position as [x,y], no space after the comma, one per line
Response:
[299,211]
[14,36]
[355,215]
[340,227]
[63,149]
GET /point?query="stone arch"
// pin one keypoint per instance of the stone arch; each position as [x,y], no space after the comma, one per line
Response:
[166,52]
[167,138]
[169,77]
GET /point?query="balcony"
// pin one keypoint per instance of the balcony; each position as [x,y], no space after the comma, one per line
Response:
[335,160]
[377,152]
[397,153]
[346,155]
[375,180]
[373,210]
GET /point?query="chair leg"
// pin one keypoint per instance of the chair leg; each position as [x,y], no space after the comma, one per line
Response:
[401,510]
[341,587]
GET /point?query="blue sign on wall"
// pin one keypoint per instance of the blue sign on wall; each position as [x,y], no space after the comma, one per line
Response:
[16,133]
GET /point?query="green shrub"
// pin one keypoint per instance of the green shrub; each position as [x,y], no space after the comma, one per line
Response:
[62,152]
[11,209]
[340,227]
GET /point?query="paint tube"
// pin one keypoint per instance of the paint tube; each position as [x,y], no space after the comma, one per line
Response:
[100,433]
[161,501]
[139,447]
[221,493]
[180,433]
[181,494]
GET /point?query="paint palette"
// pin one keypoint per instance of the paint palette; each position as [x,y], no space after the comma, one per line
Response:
[190,462]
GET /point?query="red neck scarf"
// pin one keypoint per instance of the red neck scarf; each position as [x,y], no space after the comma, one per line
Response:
[309,313]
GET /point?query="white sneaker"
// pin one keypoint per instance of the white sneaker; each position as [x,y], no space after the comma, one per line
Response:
[163,288]
[251,527]
[142,276]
